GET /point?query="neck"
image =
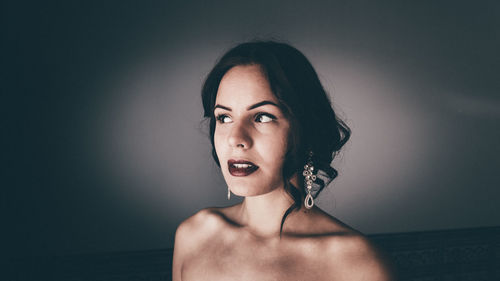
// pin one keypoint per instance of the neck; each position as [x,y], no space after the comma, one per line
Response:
[262,214]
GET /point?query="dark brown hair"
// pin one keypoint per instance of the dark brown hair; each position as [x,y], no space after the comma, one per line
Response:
[314,125]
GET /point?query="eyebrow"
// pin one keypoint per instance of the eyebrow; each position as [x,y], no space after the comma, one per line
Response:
[262,103]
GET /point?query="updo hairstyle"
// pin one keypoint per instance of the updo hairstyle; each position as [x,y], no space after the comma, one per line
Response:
[314,126]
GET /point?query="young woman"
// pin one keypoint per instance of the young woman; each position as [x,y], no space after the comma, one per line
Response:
[274,136]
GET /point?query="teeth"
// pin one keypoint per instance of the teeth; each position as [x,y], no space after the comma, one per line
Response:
[242,165]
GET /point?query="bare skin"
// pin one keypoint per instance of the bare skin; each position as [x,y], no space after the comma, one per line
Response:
[220,244]
[243,242]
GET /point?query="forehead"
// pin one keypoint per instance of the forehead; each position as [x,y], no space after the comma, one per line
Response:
[243,85]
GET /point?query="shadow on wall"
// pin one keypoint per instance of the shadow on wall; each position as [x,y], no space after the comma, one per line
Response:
[105,150]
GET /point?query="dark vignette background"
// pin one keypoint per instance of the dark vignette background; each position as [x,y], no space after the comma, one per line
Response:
[103,149]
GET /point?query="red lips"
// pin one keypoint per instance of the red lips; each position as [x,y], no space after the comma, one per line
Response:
[241,168]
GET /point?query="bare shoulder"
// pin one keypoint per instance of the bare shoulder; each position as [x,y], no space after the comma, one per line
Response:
[202,225]
[194,234]
[204,219]
[344,253]
[351,254]
[359,258]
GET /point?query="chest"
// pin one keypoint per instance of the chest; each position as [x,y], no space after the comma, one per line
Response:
[249,261]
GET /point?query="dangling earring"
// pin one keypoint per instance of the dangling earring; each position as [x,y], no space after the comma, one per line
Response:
[228,193]
[309,178]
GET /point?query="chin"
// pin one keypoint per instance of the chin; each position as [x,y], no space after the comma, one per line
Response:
[249,194]
[255,184]
[248,189]
[244,190]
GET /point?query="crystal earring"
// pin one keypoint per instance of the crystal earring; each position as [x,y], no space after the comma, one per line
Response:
[228,193]
[309,178]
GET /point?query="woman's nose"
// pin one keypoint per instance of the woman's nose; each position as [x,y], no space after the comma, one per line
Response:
[240,136]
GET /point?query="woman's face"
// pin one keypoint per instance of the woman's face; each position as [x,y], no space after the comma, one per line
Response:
[251,132]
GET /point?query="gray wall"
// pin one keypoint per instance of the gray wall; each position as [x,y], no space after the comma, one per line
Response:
[104,148]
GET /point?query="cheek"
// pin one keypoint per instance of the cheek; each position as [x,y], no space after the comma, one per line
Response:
[218,144]
[276,148]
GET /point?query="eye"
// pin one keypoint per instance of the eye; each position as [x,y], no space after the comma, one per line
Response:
[264,118]
[223,118]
